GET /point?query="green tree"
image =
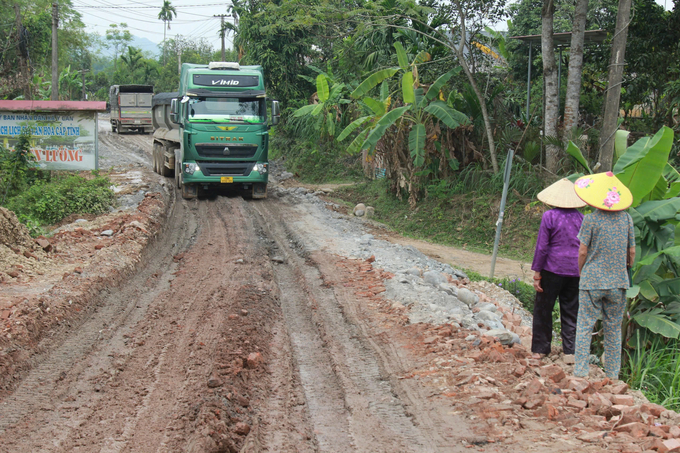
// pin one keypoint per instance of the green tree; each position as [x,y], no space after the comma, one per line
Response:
[118,37]
[167,11]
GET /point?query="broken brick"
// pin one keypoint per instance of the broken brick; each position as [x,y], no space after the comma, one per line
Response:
[635,429]
[553,372]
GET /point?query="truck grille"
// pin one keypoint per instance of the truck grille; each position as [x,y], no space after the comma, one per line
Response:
[226,169]
[238,151]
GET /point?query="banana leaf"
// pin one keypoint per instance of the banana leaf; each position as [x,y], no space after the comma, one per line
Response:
[322,88]
[401,56]
[330,124]
[377,107]
[416,143]
[620,143]
[351,127]
[372,81]
[657,322]
[668,287]
[382,125]
[659,210]
[356,145]
[306,110]
[451,117]
[407,88]
[436,87]
[574,152]
[643,163]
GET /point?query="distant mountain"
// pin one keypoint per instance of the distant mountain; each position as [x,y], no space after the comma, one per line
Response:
[146,45]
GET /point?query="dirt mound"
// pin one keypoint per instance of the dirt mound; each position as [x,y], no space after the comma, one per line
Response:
[13,234]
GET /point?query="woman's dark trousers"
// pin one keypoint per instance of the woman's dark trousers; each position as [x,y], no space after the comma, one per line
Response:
[554,286]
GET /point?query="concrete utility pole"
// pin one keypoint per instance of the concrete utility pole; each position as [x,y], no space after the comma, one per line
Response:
[179,61]
[222,32]
[55,52]
[613,95]
[22,52]
[82,73]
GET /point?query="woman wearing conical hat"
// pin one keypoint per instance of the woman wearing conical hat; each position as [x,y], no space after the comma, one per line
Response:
[555,267]
[606,252]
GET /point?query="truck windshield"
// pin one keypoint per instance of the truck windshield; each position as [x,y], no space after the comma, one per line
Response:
[226,110]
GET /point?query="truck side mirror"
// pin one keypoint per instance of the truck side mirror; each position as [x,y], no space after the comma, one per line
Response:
[173,110]
[276,114]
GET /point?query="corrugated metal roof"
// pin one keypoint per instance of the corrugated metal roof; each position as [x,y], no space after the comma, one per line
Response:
[52,106]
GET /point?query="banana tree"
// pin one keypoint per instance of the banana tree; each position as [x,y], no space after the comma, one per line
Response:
[419,107]
[327,113]
[654,297]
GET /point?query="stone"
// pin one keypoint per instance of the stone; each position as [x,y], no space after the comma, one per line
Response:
[430,340]
[578,384]
[467,297]
[490,319]
[619,389]
[593,437]
[534,401]
[568,359]
[471,338]
[674,431]
[578,404]
[448,289]
[414,271]
[652,409]
[533,388]
[635,429]
[359,212]
[434,278]
[214,382]
[359,207]
[44,243]
[254,360]
[553,372]
[242,401]
[242,429]
[370,212]
[673,445]
[504,336]
[624,400]
[519,371]
[106,233]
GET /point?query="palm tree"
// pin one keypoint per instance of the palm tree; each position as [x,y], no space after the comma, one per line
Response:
[166,16]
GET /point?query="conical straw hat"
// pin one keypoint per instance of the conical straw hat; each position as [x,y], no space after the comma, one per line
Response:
[604,191]
[561,195]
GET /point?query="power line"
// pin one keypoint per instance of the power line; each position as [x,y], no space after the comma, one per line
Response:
[150,7]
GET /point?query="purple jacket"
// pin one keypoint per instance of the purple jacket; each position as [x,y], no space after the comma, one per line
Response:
[557,243]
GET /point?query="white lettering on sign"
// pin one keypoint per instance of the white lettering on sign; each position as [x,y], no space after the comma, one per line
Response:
[225,82]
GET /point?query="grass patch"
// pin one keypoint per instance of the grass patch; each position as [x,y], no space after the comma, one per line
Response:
[461,220]
[46,202]
[653,367]
[314,164]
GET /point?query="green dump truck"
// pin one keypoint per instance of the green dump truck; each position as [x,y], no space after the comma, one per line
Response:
[214,131]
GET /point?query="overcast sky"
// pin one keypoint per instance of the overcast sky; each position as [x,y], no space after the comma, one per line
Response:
[195,18]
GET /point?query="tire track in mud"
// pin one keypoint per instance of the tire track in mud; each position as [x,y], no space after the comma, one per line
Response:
[351,403]
[40,391]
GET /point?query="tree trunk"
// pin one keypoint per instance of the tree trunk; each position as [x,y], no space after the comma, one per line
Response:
[571,103]
[611,106]
[550,93]
[460,54]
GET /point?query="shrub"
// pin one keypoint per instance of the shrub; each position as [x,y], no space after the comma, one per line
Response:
[49,202]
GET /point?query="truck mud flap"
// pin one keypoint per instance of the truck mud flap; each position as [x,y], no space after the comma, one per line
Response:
[259,191]
[189,191]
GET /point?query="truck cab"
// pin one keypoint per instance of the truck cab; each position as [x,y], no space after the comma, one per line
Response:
[220,113]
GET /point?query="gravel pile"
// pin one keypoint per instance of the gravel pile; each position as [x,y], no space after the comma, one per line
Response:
[434,292]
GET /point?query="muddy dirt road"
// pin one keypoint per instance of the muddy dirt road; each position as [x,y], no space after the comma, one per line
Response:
[230,335]
[264,325]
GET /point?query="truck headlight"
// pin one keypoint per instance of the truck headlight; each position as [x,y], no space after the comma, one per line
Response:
[261,168]
[191,167]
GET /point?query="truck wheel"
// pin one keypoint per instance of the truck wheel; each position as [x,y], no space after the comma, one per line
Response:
[155,157]
[164,170]
[178,175]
